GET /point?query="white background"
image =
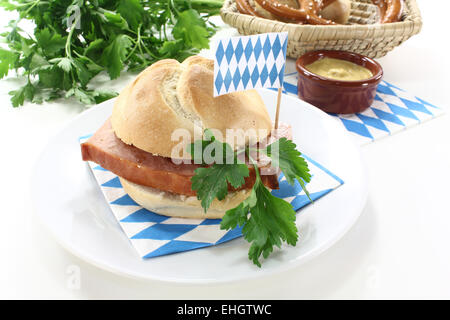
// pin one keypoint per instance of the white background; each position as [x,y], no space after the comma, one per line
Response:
[399,248]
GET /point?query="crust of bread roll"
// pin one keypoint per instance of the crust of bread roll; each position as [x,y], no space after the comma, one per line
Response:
[170,95]
[175,205]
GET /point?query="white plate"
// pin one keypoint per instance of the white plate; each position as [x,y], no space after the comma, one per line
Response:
[70,204]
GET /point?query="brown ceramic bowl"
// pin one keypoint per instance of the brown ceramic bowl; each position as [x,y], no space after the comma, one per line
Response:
[336,96]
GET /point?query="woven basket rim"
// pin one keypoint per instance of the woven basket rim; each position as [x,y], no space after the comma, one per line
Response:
[412,22]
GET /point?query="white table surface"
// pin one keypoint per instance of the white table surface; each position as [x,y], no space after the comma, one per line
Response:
[399,248]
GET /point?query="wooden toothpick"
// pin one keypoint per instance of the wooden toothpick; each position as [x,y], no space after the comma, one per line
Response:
[278,107]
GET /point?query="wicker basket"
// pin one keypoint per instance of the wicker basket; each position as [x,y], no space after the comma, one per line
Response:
[360,35]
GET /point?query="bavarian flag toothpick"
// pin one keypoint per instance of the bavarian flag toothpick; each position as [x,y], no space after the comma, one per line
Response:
[248,62]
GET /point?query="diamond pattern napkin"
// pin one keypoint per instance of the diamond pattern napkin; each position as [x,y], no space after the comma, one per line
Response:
[393,110]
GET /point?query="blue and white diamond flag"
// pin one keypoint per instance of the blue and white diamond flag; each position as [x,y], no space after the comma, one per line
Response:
[154,235]
[247,62]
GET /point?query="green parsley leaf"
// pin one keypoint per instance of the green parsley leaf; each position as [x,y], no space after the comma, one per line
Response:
[192,29]
[285,156]
[272,221]
[132,12]
[84,75]
[7,61]
[64,63]
[50,42]
[7,5]
[84,96]
[211,150]
[94,46]
[45,94]
[38,62]
[238,216]
[115,54]
[20,95]
[51,77]
[212,182]
[103,95]
[116,19]
[268,221]
[172,48]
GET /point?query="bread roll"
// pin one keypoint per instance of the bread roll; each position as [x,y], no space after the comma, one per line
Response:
[170,95]
[175,205]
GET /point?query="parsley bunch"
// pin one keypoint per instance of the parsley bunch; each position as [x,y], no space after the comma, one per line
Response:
[74,40]
[267,220]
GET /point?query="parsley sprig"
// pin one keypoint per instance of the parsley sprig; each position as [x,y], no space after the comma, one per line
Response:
[74,40]
[267,220]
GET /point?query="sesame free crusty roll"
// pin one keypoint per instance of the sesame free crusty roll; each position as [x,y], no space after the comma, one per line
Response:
[135,142]
[170,95]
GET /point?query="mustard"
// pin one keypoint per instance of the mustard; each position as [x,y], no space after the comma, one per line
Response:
[338,69]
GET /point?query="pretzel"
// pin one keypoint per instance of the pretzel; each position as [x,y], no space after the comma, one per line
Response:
[325,3]
[390,10]
[244,7]
[307,12]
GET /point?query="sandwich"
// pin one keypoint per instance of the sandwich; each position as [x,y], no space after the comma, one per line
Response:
[140,145]
[136,141]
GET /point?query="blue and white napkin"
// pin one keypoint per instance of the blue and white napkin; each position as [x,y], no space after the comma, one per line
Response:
[393,110]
